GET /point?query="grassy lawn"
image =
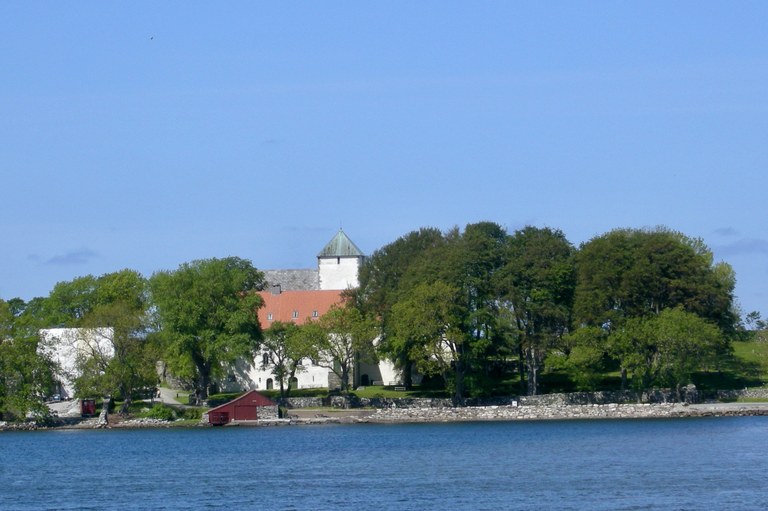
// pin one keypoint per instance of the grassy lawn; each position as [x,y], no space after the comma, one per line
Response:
[754,358]
[374,391]
[751,400]
[747,367]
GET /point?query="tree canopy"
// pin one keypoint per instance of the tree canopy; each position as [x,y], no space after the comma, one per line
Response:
[474,306]
[207,316]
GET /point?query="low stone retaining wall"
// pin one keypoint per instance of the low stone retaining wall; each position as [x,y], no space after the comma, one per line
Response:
[560,412]
[688,395]
[301,402]
[745,393]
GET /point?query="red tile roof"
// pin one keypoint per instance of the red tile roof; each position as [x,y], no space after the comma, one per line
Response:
[296,306]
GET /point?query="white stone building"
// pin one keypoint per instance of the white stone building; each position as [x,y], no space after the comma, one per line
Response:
[305,295]
[66,347]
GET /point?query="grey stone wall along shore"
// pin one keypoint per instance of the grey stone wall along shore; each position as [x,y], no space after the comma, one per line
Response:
[688,395]
[566,412]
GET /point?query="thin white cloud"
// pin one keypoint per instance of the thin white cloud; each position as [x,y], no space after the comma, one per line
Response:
[74,257]
[744,246]
[726,231]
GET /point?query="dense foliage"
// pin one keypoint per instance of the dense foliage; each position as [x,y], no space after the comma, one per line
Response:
[206,312]
[471,307]
[481,304]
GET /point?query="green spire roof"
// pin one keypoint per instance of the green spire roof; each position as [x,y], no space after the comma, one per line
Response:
[340,246]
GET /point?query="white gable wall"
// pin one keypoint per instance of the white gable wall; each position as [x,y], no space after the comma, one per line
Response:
[338,272]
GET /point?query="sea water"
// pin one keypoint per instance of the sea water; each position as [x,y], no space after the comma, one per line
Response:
[714,463]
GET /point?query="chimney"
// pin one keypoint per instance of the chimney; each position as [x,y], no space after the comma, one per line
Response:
[276,289]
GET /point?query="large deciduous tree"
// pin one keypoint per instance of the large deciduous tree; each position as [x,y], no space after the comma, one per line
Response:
[428,323]
[207,314]
[26,375]
[635,273]
[665,349]
[537,286]
[112,311]
[382,284]
[343,335]
[469,262]
[285,346]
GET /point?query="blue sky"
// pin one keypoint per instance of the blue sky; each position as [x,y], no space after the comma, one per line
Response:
[147,134]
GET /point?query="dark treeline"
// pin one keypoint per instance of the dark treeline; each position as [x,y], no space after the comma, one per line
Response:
[482,305]
[470,309]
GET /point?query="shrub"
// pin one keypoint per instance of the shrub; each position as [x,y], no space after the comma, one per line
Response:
[193,413]
[162,412]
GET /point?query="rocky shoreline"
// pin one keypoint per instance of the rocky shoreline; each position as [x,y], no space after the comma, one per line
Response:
[395,415]
[568,412]
[526,413]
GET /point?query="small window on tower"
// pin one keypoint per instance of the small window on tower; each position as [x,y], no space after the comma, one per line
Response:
[295,314]
[269,317]
[314,314]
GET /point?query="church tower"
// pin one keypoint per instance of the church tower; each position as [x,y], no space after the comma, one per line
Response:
[339,262]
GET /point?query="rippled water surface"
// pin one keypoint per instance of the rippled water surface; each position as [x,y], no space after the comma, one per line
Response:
[642,464]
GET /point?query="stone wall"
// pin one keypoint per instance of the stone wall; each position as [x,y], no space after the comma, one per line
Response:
[563,412]
[744,393]
[302,402]
[688,395]
[267,412]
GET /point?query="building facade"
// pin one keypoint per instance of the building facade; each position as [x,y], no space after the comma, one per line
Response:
[303,295]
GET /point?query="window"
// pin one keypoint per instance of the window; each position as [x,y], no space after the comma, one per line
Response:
[314,314]
[295,314]
[265,359]
[269,317]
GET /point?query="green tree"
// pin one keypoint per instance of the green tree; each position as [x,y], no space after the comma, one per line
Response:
[666,349]
[342,336]
[635,273]
[26,375]
[129,364]
[537,285]
[382,285]
[428,323]
[686,344]
[112,311]
[582,356]
[69,302]
[467,262]
[207,313]
[285,346]
[470,262]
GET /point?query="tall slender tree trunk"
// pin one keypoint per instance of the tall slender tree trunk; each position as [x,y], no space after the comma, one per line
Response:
[344,379]
[533,371]
[126,406]
[459,383]
[521,368]
[205,385]
[407,374]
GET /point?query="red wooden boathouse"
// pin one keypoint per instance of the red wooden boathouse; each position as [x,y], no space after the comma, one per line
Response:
[250,406]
